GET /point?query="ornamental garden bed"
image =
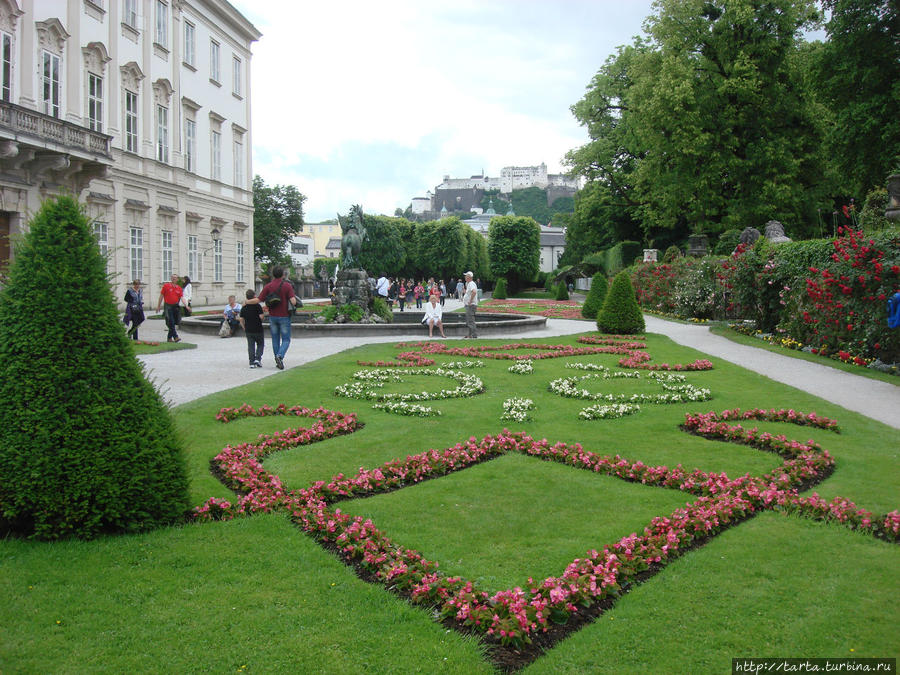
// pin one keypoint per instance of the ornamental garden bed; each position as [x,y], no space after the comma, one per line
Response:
[262,592]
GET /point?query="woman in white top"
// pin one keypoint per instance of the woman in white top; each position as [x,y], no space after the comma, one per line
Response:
[186,292]
[433,314]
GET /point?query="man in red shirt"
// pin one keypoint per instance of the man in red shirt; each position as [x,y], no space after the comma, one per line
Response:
[171,294]
[279,319]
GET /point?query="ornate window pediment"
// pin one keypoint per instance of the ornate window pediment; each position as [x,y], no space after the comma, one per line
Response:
[95,57]
[52,35]
[131,75]
[162,91]
[9,15]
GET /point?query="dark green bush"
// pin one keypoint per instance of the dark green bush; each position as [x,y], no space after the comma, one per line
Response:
[672,254]
[562,292]
[596,296]
[728,241]
[621,256]
[87,446]
[380,307]
[500,289]
[621,314]
[595,262]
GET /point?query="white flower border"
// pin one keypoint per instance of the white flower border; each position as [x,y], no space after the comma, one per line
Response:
[516,409]
[469,385]
[676,393]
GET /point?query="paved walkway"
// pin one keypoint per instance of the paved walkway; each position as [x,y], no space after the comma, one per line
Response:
[221,363]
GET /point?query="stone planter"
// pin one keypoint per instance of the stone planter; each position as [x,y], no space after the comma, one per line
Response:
[893,187]
[698,245]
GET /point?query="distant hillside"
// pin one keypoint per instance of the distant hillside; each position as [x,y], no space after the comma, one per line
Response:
[536,202]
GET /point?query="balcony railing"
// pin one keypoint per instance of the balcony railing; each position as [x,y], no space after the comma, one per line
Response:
[43,127]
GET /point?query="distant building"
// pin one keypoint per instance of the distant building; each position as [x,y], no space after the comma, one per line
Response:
[321,233]
[142,110]
[463,195]
[301,249]
[333,248]
[553,245]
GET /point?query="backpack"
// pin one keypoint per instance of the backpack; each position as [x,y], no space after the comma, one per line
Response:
[274,299]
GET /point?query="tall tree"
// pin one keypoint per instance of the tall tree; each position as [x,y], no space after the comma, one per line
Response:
[382,251]
[729,137]
[277,216]
[514,248]
[859,75]
[441,247]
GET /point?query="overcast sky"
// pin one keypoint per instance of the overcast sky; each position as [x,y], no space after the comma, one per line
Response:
[374,102]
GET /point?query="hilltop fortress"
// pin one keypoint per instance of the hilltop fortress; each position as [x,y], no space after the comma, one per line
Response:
[464,195]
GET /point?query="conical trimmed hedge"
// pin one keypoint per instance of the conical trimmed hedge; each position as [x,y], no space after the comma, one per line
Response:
[86,444]
[593,303]
[499,289]
[621,314]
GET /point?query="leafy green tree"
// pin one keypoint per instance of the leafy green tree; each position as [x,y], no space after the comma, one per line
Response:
[382,251]
[598,223]
[514,249]
[441,247]
[731,140]
[859,75]
[407,230]
[477,259]
[621,314]
[277,216]
[86,444]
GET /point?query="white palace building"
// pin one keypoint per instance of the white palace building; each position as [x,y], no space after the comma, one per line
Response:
[141,108]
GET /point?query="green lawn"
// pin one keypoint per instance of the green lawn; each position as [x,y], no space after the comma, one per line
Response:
[256,594]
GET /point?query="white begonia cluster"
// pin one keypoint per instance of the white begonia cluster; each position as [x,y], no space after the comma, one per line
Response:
[607,374]
[566,386]
[469,385]
[521,368]
[516,409]
[409,409]
[608,412]
[463,364]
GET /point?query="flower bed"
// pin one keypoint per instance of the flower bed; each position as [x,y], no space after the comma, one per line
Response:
[512,617]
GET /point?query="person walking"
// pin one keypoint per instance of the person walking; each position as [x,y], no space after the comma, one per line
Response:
[279,318]
[443,292]
[470,302]
[134,308]
[460,288]
[419,291]
[251,321]
[401,293]
[172,295]
[187,292]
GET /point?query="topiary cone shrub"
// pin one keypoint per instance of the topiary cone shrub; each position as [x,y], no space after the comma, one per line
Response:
[562,292]
[621,314]
[499,289]
[87,446]
[593,303]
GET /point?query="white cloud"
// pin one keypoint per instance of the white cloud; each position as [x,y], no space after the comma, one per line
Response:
[373,102]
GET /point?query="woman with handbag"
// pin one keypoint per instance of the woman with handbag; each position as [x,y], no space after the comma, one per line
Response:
[134,308]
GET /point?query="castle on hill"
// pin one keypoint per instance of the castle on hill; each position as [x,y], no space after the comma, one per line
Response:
[464,195]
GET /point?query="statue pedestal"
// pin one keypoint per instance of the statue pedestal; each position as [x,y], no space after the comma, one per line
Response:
[893,187]
[353,287]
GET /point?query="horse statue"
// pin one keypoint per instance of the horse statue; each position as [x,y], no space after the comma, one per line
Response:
[354,233]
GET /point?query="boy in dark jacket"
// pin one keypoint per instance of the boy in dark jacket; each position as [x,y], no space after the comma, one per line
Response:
[251,321]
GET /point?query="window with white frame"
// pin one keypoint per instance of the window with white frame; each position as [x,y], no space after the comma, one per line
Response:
[217,260]
[6,52]
[214,60]
[137,253]
[215,153]
[189,33]
[131,121]
[168,239]
[162,23]
[239,161]
[193,258]
[239,260]
[236,76]
[50,89]
[162,133]
[101,234]
[95,102]
[130,14]
[190,145]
